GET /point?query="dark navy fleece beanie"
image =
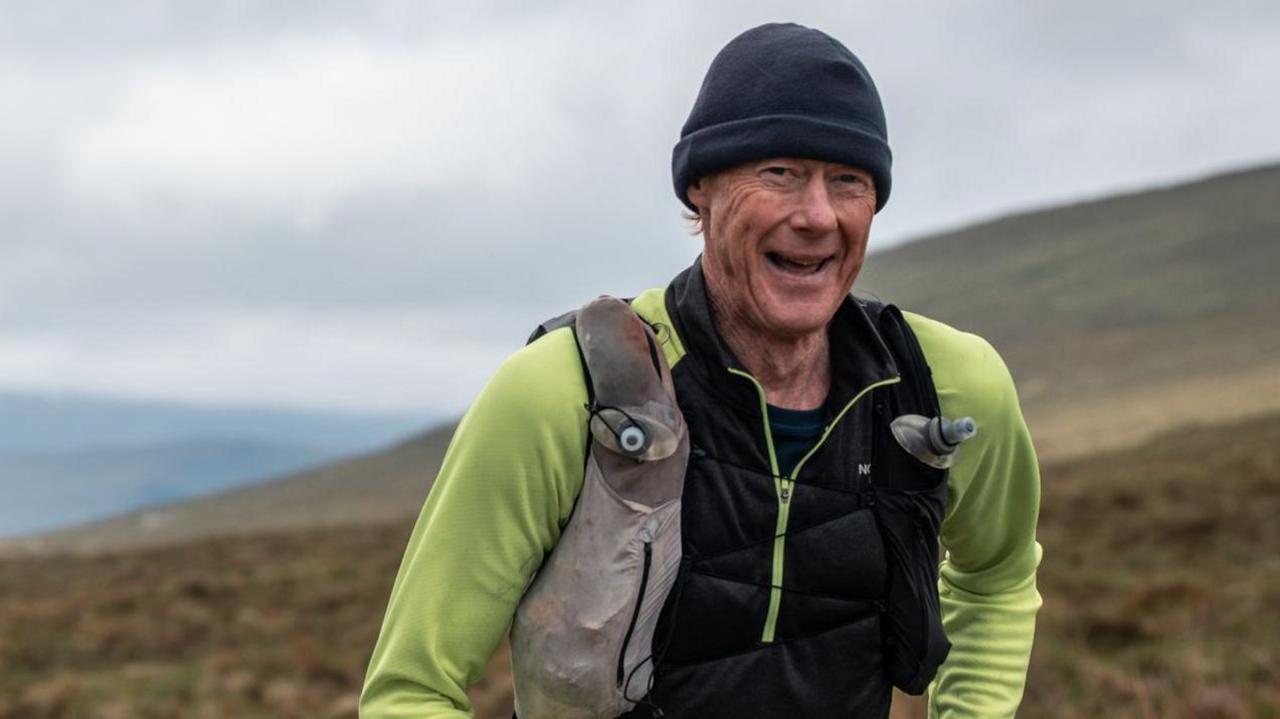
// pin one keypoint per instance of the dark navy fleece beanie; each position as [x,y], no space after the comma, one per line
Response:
[784,90]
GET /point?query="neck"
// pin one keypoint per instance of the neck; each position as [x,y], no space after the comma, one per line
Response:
[795,371]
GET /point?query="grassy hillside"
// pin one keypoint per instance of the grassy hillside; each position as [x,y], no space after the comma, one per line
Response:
[1120,317]
[1157,257]
[1160,581]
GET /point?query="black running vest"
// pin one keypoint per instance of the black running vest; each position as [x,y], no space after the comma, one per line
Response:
[811,597]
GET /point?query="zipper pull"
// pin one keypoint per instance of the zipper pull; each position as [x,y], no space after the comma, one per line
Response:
[785,494]
[648,530]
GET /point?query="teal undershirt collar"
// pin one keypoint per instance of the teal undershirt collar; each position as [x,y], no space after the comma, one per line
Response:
[794,431]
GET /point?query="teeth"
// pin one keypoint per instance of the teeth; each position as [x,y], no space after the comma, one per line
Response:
[808,266]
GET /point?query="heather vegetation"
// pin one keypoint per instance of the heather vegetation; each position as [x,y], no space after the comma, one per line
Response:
[1161,579]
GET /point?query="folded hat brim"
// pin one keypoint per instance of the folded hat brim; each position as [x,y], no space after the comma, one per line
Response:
[719,147]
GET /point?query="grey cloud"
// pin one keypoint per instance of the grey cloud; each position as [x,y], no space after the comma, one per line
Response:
[992,106]
[80,31]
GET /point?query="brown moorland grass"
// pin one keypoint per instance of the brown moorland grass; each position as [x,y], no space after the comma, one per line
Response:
[1161,581]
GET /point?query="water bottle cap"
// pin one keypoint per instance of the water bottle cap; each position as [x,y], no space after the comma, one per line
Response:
[632,439]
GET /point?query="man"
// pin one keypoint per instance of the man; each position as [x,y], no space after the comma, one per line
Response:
[784,381]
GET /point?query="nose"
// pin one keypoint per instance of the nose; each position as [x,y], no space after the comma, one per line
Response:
[815,214]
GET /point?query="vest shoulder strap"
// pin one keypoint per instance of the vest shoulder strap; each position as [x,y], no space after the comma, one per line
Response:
[565,320]
[916,393]
[568,319]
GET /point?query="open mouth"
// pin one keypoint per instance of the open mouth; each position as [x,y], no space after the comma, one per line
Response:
[797,265]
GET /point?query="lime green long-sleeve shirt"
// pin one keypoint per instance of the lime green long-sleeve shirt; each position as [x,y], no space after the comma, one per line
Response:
[515,466]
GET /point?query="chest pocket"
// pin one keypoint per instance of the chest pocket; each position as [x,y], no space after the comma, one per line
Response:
[909,502]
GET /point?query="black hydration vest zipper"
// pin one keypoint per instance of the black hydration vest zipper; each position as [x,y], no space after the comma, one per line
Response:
[785,487]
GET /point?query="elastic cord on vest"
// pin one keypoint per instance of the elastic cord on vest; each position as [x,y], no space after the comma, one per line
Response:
[654,710]
[594,412]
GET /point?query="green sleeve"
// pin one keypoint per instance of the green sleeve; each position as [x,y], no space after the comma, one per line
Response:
[505,490]
[988,575]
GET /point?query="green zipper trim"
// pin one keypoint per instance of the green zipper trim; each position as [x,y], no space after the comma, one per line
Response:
[787,485]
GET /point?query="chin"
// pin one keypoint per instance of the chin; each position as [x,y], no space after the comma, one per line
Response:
[795,325]
[800,317]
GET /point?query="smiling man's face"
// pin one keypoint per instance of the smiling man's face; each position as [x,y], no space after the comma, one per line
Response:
[785,239]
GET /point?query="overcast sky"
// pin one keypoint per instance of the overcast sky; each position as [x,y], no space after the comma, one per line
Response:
[367,205]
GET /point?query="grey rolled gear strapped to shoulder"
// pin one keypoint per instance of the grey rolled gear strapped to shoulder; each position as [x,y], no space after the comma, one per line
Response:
[582,639]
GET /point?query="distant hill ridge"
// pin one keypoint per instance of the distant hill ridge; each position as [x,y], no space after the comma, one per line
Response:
[51,422]
[381,486]
[46,490]
[1120,318]
[1172,254]
[68,458]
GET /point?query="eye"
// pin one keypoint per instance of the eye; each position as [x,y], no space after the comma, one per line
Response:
[854,184]
[780,175]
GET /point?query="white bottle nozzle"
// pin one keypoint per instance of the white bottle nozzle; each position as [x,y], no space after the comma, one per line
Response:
[945,434]
[632,439]
[955,431]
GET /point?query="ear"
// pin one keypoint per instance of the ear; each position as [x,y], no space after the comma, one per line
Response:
[697,194]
